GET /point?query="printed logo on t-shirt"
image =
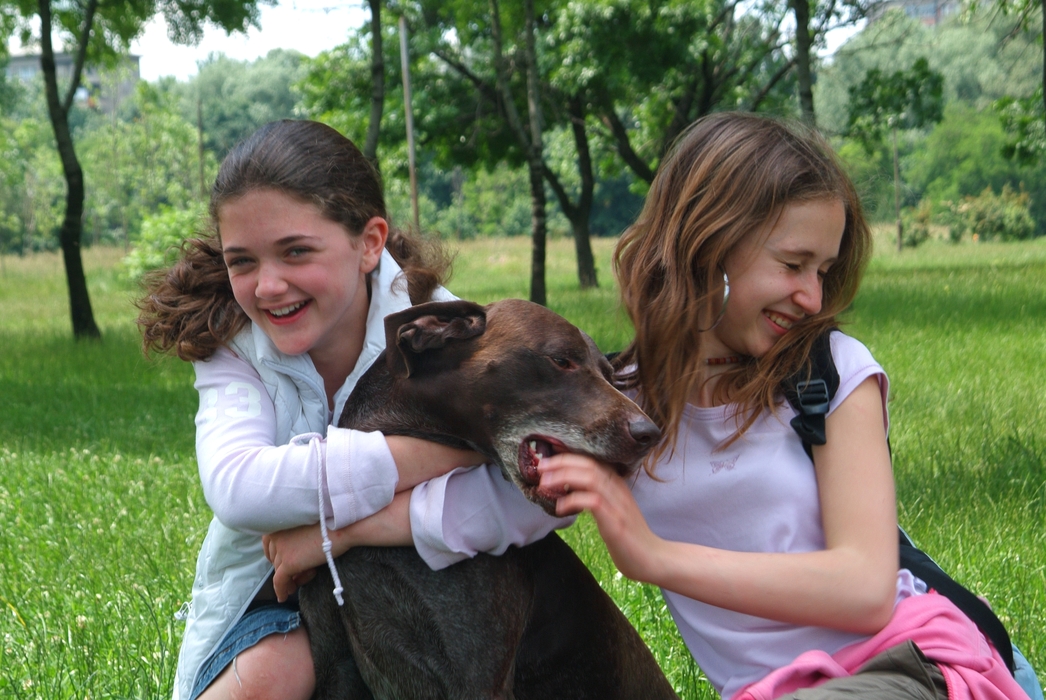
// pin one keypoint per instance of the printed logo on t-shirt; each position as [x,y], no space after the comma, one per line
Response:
[727,464]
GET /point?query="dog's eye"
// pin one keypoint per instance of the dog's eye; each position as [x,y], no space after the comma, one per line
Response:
[562,362]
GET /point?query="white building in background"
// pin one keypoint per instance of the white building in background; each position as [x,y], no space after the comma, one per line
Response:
[929,12]
[102,89]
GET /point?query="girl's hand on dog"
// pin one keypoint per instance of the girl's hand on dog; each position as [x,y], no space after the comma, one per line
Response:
[595,487]
[296,553]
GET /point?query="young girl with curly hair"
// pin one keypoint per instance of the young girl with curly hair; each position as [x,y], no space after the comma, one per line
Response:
[280,311]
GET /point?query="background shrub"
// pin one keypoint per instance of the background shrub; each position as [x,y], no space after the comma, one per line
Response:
[162,235]
[994,217]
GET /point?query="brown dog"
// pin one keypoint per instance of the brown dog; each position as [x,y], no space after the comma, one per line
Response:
[511,380]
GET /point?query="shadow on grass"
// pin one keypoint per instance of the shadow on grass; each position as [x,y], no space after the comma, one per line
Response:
[957,296]
[60,394]
[1006,467]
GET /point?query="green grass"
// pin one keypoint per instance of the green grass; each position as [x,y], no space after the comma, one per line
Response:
[102,514]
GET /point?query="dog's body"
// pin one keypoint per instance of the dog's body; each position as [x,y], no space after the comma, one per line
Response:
[512,381]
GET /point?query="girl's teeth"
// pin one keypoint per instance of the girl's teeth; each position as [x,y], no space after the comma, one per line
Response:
[780,320]
[287,309]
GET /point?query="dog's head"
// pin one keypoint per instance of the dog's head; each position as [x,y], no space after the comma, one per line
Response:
[515,381]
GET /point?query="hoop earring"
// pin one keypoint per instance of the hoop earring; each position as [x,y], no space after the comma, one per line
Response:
[722,308]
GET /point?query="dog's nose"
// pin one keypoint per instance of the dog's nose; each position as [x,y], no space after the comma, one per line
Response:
[644,431]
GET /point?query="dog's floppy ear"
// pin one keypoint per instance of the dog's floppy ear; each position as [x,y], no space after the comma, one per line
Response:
[410,332]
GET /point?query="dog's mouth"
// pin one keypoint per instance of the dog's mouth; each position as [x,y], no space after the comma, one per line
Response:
[536,447]
[531,450]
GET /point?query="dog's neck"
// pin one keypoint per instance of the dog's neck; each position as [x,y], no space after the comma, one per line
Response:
[381,402]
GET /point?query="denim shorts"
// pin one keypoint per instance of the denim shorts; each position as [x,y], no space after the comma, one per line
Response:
[255,625]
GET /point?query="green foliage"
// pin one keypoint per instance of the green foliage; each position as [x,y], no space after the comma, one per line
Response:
[31,200]
[981,61]
[993,217]
[1024,121]
[8,88]
[660,65]
[464,205]
[963,156]
[335,87]
[161,237]
[909,99]
[237,97]
[139,165]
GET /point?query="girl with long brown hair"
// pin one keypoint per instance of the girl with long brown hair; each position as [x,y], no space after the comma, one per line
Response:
[281,310]
[781,572]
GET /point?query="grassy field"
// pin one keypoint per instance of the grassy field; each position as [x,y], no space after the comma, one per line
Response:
[102,514]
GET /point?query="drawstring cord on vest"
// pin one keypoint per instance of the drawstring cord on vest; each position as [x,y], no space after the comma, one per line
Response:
[321,474]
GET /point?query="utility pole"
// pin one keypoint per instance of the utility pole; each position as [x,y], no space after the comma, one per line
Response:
[199,143]
[405,65]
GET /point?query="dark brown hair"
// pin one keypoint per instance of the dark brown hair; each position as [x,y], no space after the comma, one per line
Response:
[727,177]
[190,310]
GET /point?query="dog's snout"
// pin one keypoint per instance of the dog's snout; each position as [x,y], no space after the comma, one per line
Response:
[644,431]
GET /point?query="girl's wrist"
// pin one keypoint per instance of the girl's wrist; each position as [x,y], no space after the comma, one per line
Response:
[655,561]
[341,540]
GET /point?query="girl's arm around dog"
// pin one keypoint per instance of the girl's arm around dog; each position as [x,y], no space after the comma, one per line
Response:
[256,486]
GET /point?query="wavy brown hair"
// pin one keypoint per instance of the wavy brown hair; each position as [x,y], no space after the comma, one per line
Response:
[189,309]
[728,176]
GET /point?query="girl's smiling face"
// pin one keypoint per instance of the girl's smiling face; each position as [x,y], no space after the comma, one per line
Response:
[775,279]
[300,276]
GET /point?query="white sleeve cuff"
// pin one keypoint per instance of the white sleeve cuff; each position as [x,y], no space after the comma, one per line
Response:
[361,475]
[426,523]
[469,511]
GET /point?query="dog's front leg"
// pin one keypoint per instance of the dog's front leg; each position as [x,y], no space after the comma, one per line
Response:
[337,674]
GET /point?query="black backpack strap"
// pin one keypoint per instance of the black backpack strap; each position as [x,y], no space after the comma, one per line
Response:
[810,397]
[926,569]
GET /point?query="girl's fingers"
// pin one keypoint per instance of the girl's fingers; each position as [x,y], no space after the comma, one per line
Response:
[572,473]
[304,577]
[576,502]
[590,486]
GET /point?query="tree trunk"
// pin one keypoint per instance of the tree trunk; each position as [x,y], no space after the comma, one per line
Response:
[539,223]
[623,144]
[579,214]
[377,79]
[586,264]
[536,163]
[801,8]
[531,144]
[72,225]
[897,194]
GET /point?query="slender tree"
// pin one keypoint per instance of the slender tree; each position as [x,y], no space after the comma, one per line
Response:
[377,78]
[803,73]
[531,142]
[882,103]
[578,213]
[99,32]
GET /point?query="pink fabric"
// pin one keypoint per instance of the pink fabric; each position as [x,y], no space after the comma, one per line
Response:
[972,668]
